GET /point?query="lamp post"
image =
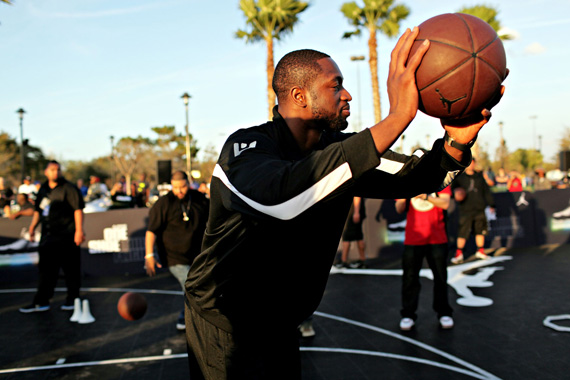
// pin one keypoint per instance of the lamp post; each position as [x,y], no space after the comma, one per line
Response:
[112,138]
[21,113]
[357,58]
[533,118]
[186,99]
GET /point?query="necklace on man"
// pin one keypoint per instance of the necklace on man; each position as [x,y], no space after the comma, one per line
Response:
[185,210]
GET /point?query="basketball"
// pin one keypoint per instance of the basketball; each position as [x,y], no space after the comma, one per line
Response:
[459,194]
[132,306]
[463,67]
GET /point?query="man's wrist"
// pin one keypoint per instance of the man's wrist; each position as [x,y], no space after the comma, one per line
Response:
[149,255]
[457,145]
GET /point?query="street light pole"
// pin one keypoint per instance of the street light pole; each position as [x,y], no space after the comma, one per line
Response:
[113,156]
[21,113]
[533,118]
[358,58]
[186,99]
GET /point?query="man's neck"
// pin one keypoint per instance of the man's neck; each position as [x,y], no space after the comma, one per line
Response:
[53,184]
[304,132]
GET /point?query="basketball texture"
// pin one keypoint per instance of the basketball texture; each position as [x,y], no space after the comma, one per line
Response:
[132,306]
[463,67]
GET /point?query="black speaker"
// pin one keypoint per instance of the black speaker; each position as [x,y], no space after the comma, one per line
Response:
[164,171]
[565,160]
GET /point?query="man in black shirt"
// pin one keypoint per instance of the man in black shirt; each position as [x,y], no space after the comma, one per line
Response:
[59,209]
[176,224]
[281,192]
[473,195]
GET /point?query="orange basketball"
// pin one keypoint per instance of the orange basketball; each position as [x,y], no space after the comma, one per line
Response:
[463,67]
[132,306]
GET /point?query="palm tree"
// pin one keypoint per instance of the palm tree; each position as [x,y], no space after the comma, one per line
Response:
[375,15]
[489,15]
[268,20]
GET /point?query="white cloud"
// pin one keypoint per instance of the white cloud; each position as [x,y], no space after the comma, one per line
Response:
[514,34]
[534,49]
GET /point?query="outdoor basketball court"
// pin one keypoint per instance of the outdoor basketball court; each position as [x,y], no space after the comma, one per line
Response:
[501,307]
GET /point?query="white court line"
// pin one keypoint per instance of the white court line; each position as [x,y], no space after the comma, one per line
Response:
[101,290]
[94,363]
[478,372]
[411,341]
[395,356]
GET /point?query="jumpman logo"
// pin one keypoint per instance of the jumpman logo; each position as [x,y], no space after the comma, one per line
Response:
[446,102]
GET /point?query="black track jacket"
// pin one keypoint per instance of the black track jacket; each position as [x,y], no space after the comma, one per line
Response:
[277,215]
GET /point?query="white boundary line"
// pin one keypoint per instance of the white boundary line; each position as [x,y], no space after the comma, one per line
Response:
[411,341]
[396,356]
[548,322]
[477,372]
[95,363]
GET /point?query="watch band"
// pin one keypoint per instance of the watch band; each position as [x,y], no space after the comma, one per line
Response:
[464,147]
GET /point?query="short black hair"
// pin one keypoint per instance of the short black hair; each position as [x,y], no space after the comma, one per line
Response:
[179,175]
[297,68]
[52,162]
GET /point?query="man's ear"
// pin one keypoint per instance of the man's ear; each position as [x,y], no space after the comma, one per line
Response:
[298,96]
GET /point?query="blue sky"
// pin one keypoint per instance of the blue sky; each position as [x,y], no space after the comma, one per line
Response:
[86,70]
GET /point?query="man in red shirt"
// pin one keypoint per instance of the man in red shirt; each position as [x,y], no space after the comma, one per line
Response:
[426,236]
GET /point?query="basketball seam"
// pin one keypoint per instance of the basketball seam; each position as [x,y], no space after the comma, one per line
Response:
[446,73]
[470,97]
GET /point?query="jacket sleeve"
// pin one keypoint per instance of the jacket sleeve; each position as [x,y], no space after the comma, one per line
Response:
[254,179]
[401,176]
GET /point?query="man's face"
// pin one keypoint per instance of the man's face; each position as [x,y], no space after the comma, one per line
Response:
[21,199]
[179,188]
[52,172]
[328,98]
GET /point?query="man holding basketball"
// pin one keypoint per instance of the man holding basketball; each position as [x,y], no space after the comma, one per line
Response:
[284,189]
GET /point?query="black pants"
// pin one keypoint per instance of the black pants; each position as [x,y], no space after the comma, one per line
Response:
[436,256]
[253,352]
[53,256]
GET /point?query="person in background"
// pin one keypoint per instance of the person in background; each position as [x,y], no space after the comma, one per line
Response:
[426,237]
[141,191]
[515,183]
[26,207]
[541,182]
[96,190]
[82,187]
[353,233]
[501,179]
[6,196]
[473,195]
[176,224]
[59,209]
[26,187]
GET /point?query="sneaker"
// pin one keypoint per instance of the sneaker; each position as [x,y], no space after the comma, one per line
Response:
[457,259]
[406,324]
[359,264]
[181,323]
[307,330]
[34,308]
[564,214]
[66,306]
[482,256]
[341,264]
[446,322]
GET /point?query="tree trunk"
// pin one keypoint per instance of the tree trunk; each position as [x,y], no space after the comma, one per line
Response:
[373,62]
[270,70]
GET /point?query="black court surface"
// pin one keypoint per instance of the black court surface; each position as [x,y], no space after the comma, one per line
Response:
[512,321]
